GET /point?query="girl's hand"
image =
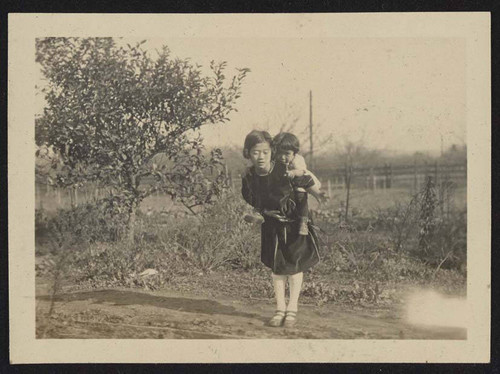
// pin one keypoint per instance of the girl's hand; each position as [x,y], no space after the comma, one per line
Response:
[254,218]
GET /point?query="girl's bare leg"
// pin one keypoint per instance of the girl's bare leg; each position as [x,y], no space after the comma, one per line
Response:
[295,282]
[279,282]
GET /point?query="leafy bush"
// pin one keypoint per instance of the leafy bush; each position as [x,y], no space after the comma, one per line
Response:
[110,110]
[87,223]
[120,264]
[219,237]
[216,238]
[42,232]
[419,227]
[399,222]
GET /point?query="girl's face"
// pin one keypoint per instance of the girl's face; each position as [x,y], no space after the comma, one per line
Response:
[260,156]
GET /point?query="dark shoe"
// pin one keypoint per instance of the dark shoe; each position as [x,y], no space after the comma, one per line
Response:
[278,318]
[290,319]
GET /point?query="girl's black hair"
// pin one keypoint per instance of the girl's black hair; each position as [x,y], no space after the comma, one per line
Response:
[286,141]
[253,138]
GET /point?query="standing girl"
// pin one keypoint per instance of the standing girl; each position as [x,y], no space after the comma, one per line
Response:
[288,254]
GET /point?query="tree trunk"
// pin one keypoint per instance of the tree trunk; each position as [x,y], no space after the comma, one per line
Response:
[131,220]
[131,226]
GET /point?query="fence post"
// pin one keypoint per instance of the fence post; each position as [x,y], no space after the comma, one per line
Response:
[329,184]
[341,210]
[415,176]
[389,181]
[386,176]
[348,188]
[372,180]
[435,173]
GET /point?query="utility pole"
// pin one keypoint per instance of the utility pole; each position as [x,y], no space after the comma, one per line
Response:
[311,160]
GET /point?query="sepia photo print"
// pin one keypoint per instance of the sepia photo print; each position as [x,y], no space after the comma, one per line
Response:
[219,183]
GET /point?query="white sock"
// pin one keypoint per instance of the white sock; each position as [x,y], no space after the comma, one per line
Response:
[279,282]
[295,282]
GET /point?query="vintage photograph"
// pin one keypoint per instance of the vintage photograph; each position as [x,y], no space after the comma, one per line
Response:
[239,187]
[251,188]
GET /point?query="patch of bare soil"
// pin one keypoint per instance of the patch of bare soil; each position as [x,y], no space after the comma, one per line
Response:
[134,314]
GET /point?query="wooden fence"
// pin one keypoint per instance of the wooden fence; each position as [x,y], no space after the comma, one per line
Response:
[386,176]
[389,176]
[383,177]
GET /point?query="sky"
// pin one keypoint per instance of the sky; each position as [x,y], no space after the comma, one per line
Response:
[396,94]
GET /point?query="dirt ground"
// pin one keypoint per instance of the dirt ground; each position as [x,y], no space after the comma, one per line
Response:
[137,314]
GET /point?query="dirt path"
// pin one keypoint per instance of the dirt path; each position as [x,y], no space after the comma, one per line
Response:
[133,314]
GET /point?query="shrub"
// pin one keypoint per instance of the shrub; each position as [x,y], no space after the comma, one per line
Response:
[399,222]
[418,227]
[442,237]
[42,233]
[216,238]
[86,223]
[121,263]
[219,237]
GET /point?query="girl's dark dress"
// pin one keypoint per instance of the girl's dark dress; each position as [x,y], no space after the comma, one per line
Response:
[282,248]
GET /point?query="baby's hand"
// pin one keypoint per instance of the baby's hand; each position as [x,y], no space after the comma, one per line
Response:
[322,198]
[293,173]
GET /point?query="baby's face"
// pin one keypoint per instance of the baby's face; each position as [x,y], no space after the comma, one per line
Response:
[285,157]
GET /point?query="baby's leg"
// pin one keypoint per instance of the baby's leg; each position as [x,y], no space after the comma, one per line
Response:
[302,207]
[302,211]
